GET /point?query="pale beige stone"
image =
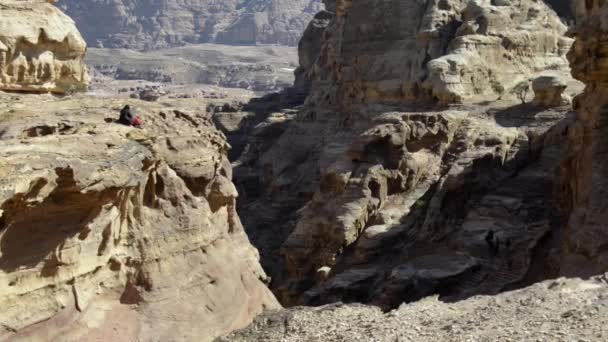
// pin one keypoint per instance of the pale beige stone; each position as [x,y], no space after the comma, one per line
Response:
[113,233]
[41,50]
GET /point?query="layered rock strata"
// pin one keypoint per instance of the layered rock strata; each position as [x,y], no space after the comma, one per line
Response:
[397,199]
[562,309]
[135,24]
[41,50]
[443,51]
[549,91]
[114,233]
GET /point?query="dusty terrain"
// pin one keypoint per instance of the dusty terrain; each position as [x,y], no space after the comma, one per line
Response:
[556,310]
[255,68]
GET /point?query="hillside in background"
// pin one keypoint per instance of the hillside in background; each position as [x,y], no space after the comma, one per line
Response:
[147,24]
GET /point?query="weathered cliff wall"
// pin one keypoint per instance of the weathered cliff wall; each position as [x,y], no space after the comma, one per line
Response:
[397,197]
[40,49]
[112,233]
[443,51]
[585,170]
[137,24]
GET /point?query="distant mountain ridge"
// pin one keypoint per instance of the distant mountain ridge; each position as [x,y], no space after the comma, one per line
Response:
[148,24]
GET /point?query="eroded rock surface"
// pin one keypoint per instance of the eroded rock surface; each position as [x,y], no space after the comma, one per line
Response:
[135,24]
[367,192]
[114,233]
[428,185]
[563,309]
[41,49]
[444,51]
[584,172]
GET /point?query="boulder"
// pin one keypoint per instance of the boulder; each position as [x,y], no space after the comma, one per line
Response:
[149,95]
[549,91]
[41,50]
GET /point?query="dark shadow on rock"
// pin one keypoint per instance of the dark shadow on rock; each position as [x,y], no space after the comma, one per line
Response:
[516,200]
[525,114]
[33,232]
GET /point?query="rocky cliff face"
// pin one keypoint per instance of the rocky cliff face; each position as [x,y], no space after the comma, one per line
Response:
[108,232]
[442,51]
[584,171]
[113,233]
[40,49]
[397,197]
[140,24]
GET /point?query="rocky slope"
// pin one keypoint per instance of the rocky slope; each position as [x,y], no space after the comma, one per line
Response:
[108,232]
[560,310]
[136,24]
[113,233]
[256,68]
[40,49]
[378,192]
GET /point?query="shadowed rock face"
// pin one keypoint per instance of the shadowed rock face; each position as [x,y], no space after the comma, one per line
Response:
[108,232]
[386,184]
[40,49]
[585,170]
[139,24]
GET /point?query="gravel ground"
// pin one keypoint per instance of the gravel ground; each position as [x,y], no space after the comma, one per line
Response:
[556,310]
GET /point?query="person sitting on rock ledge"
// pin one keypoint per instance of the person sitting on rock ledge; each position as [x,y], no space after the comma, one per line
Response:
[127,118]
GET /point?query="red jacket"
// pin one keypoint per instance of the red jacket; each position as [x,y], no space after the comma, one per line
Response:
[137,121]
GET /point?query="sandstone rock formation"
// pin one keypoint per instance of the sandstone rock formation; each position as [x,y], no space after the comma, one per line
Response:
[112,233]
[143,25]
[444,51]
[549,91]
[40,49]
[308,51]
[401,192]
[584,173]
[375,196]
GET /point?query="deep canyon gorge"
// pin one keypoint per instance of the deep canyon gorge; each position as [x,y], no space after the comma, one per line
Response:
[433,170]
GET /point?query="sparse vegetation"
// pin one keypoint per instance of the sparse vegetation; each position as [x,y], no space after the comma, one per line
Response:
[521,90]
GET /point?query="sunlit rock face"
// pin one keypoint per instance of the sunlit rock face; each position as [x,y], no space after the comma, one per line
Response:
[113,233]
[149,25]
[41,50]
[444,51]
[411,148]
